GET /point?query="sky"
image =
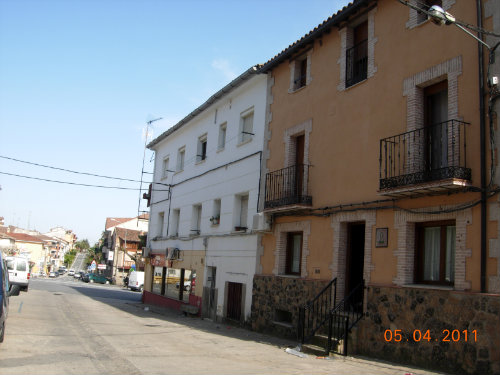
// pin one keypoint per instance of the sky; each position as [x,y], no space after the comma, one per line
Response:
[79,79]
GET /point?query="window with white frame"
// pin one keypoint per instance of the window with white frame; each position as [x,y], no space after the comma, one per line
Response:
[181,153]
[176,215]
[201,149]
[246,126]
[161,223]
[222,136]
[164,169]
[243,212]
[196,220]
[215,219]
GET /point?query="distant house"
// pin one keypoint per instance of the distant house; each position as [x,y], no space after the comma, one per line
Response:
[121,245]
[30,247]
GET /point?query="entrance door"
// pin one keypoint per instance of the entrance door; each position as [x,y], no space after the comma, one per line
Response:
[355,256]
[234,301]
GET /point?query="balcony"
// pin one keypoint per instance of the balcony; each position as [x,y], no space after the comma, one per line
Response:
[287,187]
[356,63]
[426,160]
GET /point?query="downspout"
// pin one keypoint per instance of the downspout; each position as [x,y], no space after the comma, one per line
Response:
[482,136]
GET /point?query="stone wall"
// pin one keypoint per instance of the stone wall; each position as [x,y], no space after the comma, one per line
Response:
[424,318]
[286,294]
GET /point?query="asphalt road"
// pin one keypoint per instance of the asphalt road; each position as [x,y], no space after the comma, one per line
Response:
[64,326]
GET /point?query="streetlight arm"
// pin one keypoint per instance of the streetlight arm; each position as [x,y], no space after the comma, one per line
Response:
[472,35]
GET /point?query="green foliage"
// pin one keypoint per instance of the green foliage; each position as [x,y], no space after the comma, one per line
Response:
[94,253]
[83,244]
[69,257]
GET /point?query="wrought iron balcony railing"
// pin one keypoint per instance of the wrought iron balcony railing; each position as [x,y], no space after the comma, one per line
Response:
[356,63]
[287,186]
[432,153]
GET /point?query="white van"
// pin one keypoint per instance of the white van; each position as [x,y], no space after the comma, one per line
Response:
[19,271]
[136,280]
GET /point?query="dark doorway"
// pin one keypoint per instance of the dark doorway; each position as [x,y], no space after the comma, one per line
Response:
[299,165]
[436,117]
[234,301]
[212,293]
[355,256]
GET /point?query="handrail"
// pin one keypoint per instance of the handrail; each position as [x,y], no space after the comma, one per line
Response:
[314,314]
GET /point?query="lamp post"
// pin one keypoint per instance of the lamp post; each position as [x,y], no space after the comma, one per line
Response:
[440,17]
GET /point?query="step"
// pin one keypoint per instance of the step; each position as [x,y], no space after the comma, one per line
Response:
[312,349]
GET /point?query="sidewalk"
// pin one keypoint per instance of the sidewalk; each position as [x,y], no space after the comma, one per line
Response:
[339,364]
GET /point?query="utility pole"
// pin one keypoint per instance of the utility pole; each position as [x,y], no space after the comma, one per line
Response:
[148,124]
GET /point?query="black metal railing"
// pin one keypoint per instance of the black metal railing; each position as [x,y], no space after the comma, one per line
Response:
[287,186]
[432,153]
[316,313]
[356,63]
[343,317]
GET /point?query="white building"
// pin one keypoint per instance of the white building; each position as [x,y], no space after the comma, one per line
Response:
[203,202]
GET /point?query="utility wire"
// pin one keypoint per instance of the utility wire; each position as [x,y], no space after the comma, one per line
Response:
[75,172]
[73,183]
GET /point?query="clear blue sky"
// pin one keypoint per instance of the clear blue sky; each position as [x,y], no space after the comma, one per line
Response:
[80,78]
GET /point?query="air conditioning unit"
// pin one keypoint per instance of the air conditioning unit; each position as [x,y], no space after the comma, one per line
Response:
[261,222]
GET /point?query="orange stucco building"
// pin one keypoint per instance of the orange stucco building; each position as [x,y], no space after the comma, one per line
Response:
[380,208]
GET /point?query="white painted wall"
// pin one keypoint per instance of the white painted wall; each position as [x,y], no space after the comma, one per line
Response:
[225,175]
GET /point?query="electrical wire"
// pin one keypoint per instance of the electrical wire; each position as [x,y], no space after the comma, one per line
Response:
[74,183]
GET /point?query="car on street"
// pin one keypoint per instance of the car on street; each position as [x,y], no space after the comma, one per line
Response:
[6,290]
[136,280]
[78,275]
[96,278]
[85,277]
[53,274]
[19,271]
[71,272]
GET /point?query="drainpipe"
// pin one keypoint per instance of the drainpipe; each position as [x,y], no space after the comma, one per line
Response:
[482,136]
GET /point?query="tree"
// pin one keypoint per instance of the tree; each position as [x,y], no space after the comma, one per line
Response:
[82,245]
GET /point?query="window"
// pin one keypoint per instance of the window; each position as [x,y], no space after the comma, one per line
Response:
[176,214]
[246,126]
[180,159]
[435,253]
[196,220]
[357,55]
[243,211]
[300,71]
[164,172]
[202,148]
[215,219]
[222,136]
[293,253]
[161,223]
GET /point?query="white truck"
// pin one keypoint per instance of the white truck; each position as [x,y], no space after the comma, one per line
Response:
[136,280]
[19,271]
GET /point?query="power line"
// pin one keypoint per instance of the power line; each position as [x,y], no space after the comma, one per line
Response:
[75,172]
[73,183]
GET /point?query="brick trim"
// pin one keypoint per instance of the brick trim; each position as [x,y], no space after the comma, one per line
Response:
[280,234]
[404,223]
[288,138]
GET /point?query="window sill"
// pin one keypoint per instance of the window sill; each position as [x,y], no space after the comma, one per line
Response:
[201,161]
[290,276]
[427,286]
[220,149]
[179,171]
[297,89]
[244,142]
[356,84]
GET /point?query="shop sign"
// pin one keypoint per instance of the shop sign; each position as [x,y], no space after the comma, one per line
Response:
[158,260]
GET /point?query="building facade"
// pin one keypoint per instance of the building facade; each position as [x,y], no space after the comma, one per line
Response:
[381,199]
[202,241]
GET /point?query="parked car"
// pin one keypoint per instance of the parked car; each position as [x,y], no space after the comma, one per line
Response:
[54,274]
[136,280]
[85,277]
[71,272]
[78,275]
[6,290]
[96,278]
[19,271]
